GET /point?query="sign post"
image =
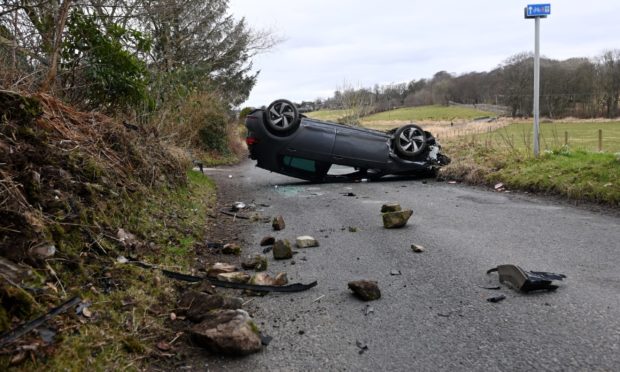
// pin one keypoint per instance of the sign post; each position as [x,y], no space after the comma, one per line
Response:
[537,11]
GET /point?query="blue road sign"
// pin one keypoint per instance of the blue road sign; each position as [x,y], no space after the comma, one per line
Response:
[537,10]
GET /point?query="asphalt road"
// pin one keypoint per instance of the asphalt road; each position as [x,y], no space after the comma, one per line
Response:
[434,316]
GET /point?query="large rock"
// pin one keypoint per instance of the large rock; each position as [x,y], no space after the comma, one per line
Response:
[278,223]
[229,332]
[219,268]
[256,262]
[393,220]
[390,207]
[306,241]
[197,305]
[282,250]
[366,290]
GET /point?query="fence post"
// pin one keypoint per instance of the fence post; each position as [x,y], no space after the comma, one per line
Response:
[600,140]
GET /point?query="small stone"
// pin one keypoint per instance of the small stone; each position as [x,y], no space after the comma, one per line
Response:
[236,277]
[232,248]
[268,240]
[278,223]
[229,332]
[352,229]
[43,251]
[220,267]
[390,207]
[393,220]
[367,290]
[266,279]
[282,250]
[306,241]
[417,248]
[256,262]
[197,305]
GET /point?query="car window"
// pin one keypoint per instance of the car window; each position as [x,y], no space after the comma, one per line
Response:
[300,163]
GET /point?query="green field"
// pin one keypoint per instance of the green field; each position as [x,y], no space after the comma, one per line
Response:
[435,112]
[328,115]
[581,135]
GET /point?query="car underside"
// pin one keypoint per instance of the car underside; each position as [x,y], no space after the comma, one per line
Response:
[283,141]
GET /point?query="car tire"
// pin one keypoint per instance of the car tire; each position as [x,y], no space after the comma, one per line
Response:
[282,117]
[410,141]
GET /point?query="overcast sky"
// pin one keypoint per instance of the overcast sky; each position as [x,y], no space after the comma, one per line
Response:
[332,43]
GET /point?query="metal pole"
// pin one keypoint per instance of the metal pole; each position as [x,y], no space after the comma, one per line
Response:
[536,85]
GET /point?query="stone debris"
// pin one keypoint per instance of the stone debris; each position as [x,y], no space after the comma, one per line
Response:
[367,290]
[236,277]
[219,268]
[197,305]
[229,332]
[390,207]
[232,248]
[417,248]
[268,240]
[395,272]
[237,206]
[392,220]
[282,250]
[278,223]
[256,262]
[306,241]
[265,279]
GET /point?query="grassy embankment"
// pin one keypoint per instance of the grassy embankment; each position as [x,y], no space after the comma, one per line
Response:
[577,170]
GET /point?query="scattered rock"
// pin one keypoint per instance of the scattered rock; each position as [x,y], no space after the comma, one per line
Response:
[267,249]
[42,251]
[499,187]
[306,241]
[278,223]
[219,268]
[236,277]
[256,262]
[197,305]
[367,290]
[228,331]
[237,206]
[362,346]
[390,207]
[282,250]
[398,219]
[232,248]
[395,272]
[268,240]
[417,248]
[266,279]
[352,229]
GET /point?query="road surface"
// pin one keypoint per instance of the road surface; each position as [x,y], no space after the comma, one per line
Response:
[434,316]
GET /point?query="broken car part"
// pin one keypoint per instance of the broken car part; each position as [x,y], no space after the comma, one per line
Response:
[296,287]
[282,140]
[18,332]
[526,281]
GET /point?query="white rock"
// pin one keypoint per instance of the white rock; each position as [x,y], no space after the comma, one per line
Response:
[306,241]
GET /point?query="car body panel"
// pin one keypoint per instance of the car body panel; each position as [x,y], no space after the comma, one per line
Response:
[309,150]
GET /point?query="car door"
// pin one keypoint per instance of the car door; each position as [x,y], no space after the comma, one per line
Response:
[359,147]
[313,140]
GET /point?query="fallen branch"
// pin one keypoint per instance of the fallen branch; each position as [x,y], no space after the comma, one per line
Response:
[18,332]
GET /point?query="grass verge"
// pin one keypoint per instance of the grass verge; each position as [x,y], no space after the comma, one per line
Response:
[129,306]
[574,174]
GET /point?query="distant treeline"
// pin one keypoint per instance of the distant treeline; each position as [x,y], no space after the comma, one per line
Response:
[579,87]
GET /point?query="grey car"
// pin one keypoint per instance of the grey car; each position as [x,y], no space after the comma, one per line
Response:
[282,140]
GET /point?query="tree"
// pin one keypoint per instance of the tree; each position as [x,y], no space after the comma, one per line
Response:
[608,80]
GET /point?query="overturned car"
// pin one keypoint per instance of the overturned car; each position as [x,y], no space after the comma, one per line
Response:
[282,140]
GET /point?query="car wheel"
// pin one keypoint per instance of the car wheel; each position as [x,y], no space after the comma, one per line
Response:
[410,141]
[282,117]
